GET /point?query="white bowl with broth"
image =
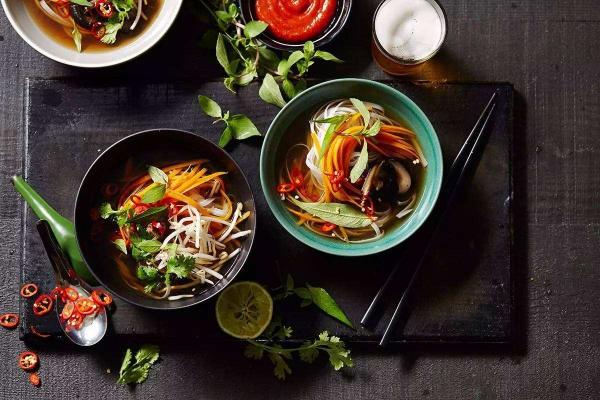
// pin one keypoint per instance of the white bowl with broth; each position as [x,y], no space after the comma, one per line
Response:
[50,38]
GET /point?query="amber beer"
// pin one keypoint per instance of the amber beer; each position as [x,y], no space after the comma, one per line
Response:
[407,33]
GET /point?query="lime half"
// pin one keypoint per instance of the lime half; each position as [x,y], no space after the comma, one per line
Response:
[244,310]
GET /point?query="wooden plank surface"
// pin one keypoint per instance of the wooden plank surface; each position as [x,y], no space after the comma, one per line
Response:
[549,50]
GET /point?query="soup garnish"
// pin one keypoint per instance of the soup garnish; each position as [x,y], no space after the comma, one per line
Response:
[356,173]
[101,20]
[178,226]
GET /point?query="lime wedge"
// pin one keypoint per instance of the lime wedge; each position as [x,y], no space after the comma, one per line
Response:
[244,310]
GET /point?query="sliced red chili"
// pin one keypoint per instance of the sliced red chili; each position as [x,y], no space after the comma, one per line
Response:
[28,360]
[57,292]
[105,8]
[101,297]
[39,334]
[99,30]
[135,199]
[67,310]
[42,305]
[328,227]
[285,188]
[85,306]
[34,379]
[71,293]
[29,290]
[297,177]
[9,320]
[75,321]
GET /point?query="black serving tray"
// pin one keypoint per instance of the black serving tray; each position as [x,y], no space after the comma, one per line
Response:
[465,294]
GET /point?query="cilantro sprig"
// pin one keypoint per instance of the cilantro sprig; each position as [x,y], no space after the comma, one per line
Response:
[244,59]
[136,371]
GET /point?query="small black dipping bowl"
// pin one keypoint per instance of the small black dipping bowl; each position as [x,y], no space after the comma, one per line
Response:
[157,147]
[336,25]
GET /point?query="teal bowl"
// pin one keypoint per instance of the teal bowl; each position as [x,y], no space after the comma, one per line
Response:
[396,104]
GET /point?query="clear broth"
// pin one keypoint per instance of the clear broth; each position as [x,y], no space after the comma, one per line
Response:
[90,44]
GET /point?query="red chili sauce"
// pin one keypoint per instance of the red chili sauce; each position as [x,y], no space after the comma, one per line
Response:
[296,20]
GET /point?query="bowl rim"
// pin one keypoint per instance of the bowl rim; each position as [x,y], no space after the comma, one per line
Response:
[318,245]
[320,41]
[230,277]
[13,21]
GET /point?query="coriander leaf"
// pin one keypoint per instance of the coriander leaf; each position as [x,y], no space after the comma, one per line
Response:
[149,288]
[158,175]
[180,266]
[242,127]
[254,352]
[126,361]
[361,164]
[282,369]
[111,28]
[364,111]
[138,371]
[154,194]
[254,28]
[308,354]
[147,273]
[324,55]
[120,244]
[119,216]
[226,137]
[147,354]
[151,214]
[325,302]
[336,213]
[270,93]
[76,37]
[210,107]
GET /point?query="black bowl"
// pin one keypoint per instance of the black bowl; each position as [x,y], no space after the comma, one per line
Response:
[154,147]
[333,29]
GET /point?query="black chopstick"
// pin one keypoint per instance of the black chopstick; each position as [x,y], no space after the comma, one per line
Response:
[463,163]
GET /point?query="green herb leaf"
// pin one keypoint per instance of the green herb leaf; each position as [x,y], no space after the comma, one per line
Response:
[147,273]
[242,127]
[119,216]
[137,372]
[180,266]
[120,244]
[269,59]
[325,302]
[221,53]
[303,293]
[308,354]
[76,38]
[270,93]
[226,137]
[281,369]
[336,213]
[329,135]
[254,352]
[210,107]
[158,175]
[364,111]
[113,26]
[254,28]
[84,3]
[373,130]
[324,55]
[154,194]
[294,58]
[148,245]
[309,49]
[361,164]
[151,214]
[336,119]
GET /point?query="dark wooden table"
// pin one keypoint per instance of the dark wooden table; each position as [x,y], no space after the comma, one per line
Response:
[550,51]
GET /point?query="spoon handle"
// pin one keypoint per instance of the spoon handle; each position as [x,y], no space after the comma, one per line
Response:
[62,268]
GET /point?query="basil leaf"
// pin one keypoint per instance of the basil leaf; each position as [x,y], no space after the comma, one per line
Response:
[294,58]
[324,55]
[254,28]
[309,49]
[300,86]
[210,107]
[120,244]
[326,303]
[361,164]
[270,93]
[364,112]
[148,246]
[268,58]
[336,213]
[151,214]
[242,127]
[288,88]
[221,53]
[154,194]
[158,175]
[225,137]
[373,130]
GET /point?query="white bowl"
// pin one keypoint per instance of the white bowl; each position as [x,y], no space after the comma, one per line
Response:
[28,29]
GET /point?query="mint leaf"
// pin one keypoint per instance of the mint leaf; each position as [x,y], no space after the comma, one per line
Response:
[373,130]
[363,110]
[254,352]
[210,107]
[340,214]
[361,164]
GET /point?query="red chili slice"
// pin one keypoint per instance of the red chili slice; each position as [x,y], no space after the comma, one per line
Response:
[42,305]
[67,310]
[29,290]
[328,227]
[34,379]
[105,8]
[101,297]
[39,334]
[71,293]
[75,321]
[9,320]
[297,177]
[285,188]
[85,306]
[28,360]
